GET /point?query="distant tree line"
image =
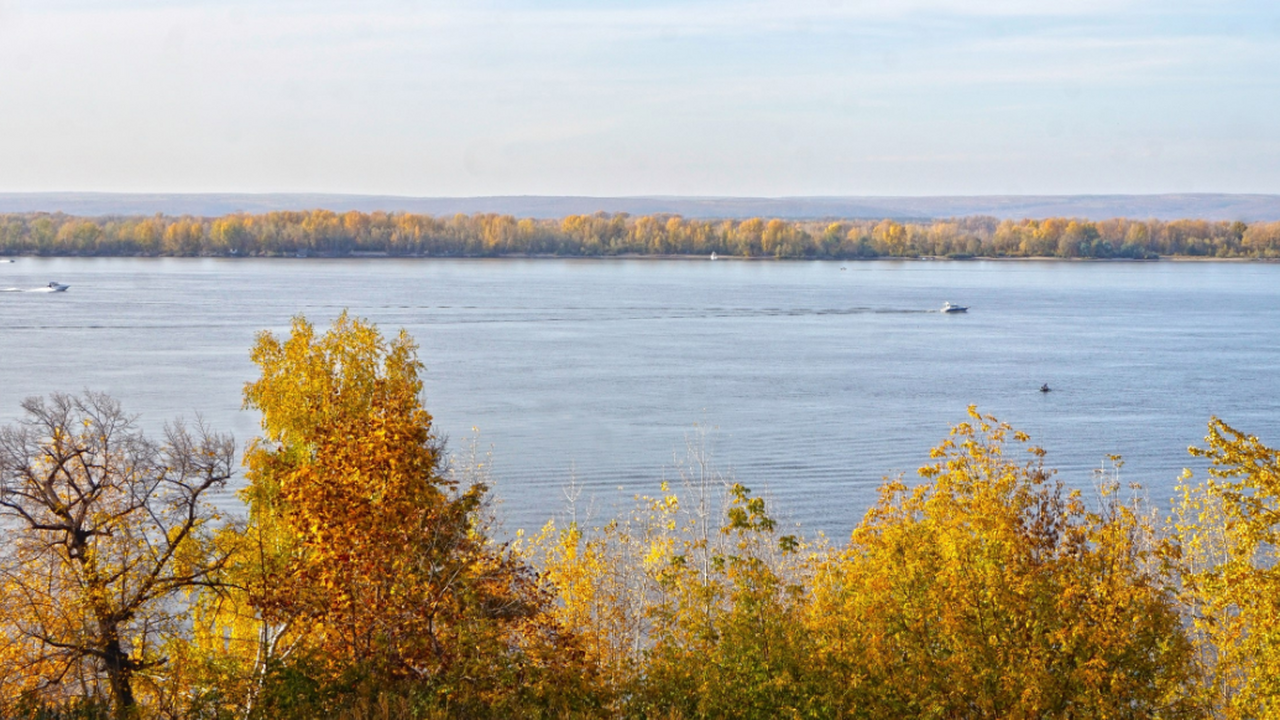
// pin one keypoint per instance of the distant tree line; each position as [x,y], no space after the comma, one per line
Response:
[330,234]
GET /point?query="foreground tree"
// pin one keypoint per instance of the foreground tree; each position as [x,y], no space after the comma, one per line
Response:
[1228,528]
[105,530]
[989,591]
[689,605]
[363,558]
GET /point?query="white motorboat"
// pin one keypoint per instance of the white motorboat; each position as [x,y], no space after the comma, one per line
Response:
[949,308]
[50,288]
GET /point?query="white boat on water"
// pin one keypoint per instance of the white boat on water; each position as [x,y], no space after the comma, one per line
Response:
[947,307]
[51,287]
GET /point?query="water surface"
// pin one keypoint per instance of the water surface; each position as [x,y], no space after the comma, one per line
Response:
[811,381]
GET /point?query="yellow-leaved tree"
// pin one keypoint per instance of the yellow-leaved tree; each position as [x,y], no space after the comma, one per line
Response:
[362,558]
[689,606]
[1228,529]
[105,530]
[987,591]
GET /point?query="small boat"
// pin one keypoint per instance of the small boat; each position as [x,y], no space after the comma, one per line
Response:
[949,308]
[1045,388]
[713,256]
[57,287]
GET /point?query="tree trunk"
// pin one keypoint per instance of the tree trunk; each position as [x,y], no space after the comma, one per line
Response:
[120,674]
[118,665]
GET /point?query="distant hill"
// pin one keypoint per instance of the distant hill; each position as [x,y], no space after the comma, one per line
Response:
[1250,208]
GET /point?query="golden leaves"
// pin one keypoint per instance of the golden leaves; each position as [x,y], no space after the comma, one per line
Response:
[1226,530]
[980,593]
[360,553]
[105,532]
[984,589]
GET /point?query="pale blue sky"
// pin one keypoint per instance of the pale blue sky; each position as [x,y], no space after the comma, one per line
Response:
[804,97]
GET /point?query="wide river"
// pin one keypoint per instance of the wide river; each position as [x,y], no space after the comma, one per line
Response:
[809,381]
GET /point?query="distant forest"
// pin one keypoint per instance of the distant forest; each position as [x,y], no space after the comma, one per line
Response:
[324,233]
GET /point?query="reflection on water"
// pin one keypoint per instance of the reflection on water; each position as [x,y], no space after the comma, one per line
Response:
[814,383]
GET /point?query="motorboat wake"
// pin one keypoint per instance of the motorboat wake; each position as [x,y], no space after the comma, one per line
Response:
[50,288]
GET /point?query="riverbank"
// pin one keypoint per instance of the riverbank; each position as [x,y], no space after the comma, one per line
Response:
[14,259]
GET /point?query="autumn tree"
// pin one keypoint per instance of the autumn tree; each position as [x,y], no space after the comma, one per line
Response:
[689,605]
[183,237]
[1228,529]
[989,591]
[728,636]
[600,233]
[747,237]
[105,530]
[361,551]
[892,236]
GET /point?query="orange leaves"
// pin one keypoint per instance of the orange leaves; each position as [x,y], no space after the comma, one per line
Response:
[985,590]
[377,561]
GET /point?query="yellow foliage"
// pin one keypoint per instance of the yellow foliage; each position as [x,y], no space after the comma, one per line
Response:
[986,591]
[1227,528]
[360,555]
[104,532]
[364,581]
[684,606]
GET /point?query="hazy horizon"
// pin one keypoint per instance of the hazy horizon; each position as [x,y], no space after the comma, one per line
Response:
[1249,208]
[700,98]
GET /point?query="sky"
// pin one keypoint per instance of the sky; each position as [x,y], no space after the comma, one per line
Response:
[611,98]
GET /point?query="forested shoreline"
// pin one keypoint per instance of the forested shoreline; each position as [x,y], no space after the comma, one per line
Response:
[321,233]
[366,580]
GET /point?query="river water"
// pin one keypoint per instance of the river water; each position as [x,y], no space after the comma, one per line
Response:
[808,381]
